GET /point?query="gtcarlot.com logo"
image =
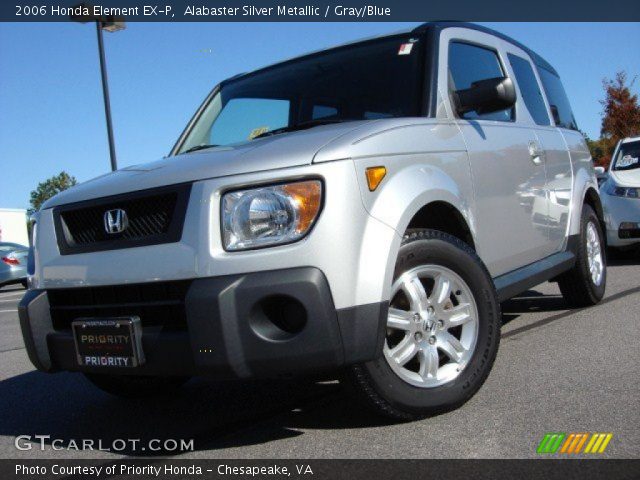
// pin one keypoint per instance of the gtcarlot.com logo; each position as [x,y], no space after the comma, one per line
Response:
[44,442]
[573,443]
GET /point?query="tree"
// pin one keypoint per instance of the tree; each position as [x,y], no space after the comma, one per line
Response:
[621,115]
[49,188]
[595,148]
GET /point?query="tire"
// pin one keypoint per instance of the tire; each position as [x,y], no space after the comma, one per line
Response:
[402,393]
[578,286]
[134,386]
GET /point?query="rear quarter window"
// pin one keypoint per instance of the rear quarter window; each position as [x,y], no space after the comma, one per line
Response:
[558,101]
[529,89]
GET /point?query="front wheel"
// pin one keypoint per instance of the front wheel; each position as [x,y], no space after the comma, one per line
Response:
[443,330]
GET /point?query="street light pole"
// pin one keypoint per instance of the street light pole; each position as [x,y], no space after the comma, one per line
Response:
[105,94]
[82,14]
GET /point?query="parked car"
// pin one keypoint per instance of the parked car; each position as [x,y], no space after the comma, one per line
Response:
[13,264]
[365,208]
[621,199]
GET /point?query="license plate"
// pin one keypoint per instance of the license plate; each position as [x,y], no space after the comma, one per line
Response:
[108,342]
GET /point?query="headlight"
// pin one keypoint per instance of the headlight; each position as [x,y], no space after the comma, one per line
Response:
[266,216]
[629,192]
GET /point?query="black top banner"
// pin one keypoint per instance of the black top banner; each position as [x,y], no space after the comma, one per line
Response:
[320,10]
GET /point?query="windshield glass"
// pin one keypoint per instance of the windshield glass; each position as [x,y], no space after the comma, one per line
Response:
[372,80]
[628,156]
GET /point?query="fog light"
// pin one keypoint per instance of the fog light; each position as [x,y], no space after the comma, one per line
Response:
[628,226]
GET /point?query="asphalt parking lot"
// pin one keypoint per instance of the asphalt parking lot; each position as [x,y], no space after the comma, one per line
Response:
[556,371]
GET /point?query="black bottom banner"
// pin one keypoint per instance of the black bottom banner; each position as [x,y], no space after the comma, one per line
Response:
[396,469]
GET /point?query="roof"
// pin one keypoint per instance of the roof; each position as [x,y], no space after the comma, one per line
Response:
[630,139]
[424,28]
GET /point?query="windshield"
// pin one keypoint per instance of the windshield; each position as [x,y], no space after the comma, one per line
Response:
[371,80]
[628,156]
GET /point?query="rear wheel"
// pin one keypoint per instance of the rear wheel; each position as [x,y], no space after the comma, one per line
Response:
[134,386]
[442,333]
[584,285]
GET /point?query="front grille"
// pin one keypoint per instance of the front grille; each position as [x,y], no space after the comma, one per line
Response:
[154,216]
[157,304]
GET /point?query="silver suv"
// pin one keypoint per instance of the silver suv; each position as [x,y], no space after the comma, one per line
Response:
[363,208]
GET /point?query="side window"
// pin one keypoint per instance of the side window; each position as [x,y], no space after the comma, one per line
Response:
[470,63]
[558,101]
[529,89]
[243,118]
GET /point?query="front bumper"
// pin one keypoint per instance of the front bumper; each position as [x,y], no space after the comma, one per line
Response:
[264,324]
[619,211]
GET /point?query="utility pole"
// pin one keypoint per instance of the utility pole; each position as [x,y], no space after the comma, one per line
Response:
[105,95]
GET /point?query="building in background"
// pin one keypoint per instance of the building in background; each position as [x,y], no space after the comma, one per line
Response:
[13,226]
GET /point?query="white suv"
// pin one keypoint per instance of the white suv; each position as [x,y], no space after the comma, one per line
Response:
[365,207]
[621,199]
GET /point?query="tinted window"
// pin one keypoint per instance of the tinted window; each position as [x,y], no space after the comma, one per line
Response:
[628,156]
[558,101]
[470,63]
[244,118]
[529,89]
[383,76]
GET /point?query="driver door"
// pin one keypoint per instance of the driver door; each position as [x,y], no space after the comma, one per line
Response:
[506,161]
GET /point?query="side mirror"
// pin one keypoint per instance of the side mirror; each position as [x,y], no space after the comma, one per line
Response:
[486,96]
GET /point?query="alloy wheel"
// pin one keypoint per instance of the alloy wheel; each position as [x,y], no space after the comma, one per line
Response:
[432,326]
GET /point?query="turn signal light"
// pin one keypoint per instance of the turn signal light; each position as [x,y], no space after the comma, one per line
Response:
[375,176]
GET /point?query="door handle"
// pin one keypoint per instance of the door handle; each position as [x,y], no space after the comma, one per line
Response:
[536,153]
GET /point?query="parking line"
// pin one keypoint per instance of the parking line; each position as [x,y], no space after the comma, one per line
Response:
[7,311]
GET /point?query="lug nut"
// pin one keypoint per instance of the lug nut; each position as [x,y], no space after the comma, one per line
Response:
[418,336]
[416,317]
[430,310]
[432,340]
[440,324]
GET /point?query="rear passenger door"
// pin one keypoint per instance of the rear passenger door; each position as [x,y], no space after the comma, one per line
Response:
[505,157]
[557,163]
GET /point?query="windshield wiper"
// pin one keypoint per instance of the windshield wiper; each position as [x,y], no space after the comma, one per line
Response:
[303,126]
[199,147]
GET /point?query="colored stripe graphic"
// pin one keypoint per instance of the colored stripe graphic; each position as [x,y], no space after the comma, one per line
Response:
[550,443]
[572,443]
[598,443]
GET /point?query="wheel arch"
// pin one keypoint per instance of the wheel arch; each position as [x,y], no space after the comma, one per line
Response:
[419,191]
[592,198]
[445,217]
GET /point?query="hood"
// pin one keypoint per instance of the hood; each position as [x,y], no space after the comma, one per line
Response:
[626,178]
[270,153]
